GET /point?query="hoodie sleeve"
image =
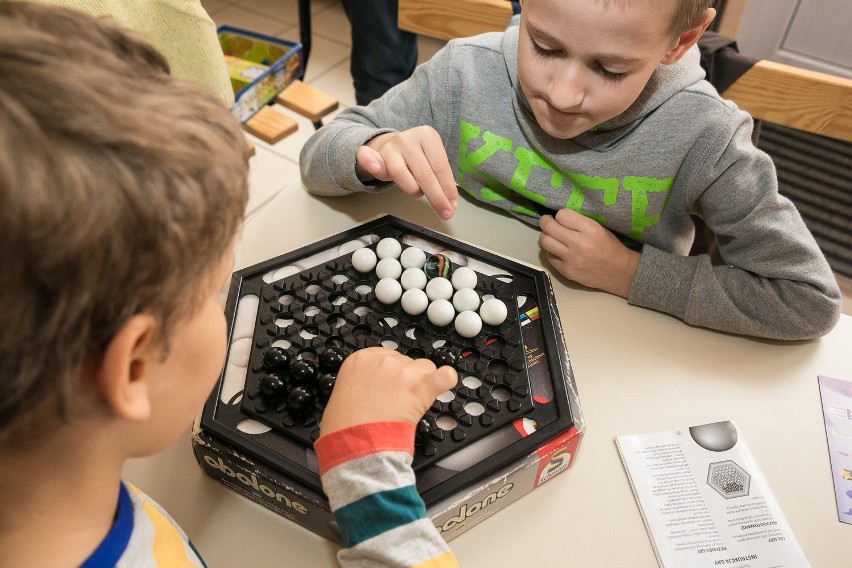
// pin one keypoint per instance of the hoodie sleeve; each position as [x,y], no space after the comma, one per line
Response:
[327,160]
[775,282]
[366,474]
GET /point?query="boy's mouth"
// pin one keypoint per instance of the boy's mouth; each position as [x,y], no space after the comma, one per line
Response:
[561,118]
[558,112]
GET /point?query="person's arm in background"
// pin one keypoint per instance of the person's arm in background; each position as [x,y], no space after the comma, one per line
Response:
[382,54]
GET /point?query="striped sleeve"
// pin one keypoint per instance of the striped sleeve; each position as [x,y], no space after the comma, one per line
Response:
[367,476]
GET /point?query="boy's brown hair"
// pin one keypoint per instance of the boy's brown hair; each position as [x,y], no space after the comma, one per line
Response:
[121,188]
[688,14]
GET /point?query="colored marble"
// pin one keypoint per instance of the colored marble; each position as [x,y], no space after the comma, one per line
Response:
[438,265]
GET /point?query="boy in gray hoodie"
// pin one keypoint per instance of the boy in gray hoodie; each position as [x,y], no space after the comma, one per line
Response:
[592,120]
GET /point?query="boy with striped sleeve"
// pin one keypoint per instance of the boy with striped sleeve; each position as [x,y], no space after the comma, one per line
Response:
[121,191]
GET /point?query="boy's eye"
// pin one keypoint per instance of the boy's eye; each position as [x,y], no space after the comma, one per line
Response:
[542,51]
[606,74]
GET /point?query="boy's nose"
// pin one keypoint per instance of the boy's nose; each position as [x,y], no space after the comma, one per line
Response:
[567,90]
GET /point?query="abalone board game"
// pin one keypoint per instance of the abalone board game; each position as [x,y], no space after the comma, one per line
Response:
[293,319]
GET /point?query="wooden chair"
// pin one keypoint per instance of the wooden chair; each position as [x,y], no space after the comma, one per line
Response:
[798,98]
[449,19]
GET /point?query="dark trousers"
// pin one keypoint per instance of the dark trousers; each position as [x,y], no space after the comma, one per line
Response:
[382,54]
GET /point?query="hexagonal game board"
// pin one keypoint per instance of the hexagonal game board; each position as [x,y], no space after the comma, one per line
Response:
[294,319]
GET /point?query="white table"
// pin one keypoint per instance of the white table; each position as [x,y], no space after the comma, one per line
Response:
[637,371]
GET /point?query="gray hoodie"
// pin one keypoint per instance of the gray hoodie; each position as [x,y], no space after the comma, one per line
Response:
[679,150]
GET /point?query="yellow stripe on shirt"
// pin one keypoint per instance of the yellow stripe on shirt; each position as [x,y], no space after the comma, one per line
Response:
[446,560]
[169,544]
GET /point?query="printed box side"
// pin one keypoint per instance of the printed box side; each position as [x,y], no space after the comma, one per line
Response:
[453,516]
[264,485]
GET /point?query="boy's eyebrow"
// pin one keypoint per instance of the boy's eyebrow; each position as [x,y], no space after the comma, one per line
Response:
[611,58]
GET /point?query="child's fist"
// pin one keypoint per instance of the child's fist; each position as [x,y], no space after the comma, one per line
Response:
[378,384]
[586,252]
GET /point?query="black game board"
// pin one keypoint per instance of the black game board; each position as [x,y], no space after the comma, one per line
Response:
[310,300]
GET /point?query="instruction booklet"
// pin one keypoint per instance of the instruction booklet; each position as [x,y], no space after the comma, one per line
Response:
[705,501]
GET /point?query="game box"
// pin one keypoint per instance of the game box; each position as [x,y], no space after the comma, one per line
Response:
[260,67]
[512,421]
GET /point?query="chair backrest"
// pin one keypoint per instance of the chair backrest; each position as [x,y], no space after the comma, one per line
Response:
[448,19]
[797,98]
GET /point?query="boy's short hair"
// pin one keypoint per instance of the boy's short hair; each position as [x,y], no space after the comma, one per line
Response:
[687,14]
[121,188]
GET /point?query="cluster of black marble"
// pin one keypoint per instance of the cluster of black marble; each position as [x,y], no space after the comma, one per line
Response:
[298,384]
[301,388]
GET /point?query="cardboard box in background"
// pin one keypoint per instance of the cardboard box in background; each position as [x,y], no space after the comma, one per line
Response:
[272,64]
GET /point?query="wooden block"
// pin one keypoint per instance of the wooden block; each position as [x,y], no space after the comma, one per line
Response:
[250,151]
[306,100]
[270,125]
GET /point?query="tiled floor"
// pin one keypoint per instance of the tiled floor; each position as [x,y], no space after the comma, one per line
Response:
[328,70]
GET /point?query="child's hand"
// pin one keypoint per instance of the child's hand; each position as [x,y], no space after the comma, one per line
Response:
[378,384]
[584,251]
[415,160]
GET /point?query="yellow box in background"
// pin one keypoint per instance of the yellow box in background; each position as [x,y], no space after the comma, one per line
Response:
[247,54]
[242,71]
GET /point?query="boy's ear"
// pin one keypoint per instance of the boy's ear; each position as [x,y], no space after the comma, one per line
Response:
[688,38]
[122,373]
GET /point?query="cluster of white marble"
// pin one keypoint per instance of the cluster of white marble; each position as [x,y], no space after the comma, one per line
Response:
[402,279]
